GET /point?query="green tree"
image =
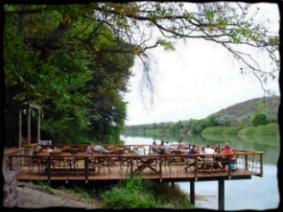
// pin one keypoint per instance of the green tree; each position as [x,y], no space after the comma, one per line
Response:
[260,119]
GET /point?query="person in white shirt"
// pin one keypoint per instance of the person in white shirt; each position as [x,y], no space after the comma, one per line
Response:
[167,145]
[209,150]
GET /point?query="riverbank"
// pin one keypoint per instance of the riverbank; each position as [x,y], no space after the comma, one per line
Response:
[30,195]
[242,131]
[131,193]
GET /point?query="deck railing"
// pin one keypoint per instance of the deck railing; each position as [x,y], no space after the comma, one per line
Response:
[155,165]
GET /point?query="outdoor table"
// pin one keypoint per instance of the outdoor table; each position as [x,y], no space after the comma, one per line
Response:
[147,163]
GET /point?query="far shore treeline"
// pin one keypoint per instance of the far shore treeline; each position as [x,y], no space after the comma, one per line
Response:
[254,117]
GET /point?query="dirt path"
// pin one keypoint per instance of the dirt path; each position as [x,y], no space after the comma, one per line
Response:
[29,197]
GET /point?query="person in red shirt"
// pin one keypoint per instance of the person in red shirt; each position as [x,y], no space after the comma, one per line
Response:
[229,156]
[228,150]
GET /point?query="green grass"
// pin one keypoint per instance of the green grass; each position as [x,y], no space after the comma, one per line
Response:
[213,130]
[232,130]
[269,129]
[138,193]
[45,187]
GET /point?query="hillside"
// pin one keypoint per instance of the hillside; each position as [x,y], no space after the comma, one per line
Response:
[251,106]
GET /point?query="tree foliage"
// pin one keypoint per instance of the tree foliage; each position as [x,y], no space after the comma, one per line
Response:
[260,119]
[52,58]
[75,60]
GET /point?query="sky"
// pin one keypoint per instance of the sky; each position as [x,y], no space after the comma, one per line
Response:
[197,79]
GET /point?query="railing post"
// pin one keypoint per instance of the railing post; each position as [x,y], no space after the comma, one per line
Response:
[261,163]
[131,167]
[246,162]
[196,168]
[229,169]
[86,169]
[48,168]
[160,168]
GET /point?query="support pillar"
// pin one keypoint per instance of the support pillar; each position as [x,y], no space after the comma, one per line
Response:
[172,184]
[38,126]
[29,125]
[192,192]
[221,194]
[20,129]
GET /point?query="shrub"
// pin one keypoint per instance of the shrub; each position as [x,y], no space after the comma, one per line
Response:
[138,193]
[260,119]
[131,194]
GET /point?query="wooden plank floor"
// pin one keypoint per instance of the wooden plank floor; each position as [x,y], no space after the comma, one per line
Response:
[114,173]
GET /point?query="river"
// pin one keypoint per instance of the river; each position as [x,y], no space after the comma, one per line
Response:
[258,193]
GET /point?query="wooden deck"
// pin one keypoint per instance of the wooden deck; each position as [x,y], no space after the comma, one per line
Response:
[70,163]
[78,166]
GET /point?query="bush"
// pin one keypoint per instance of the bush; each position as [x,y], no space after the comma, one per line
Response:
[138,193]
[260,119]
[132,194]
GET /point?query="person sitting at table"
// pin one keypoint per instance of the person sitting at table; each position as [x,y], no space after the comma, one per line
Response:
[154,147]
[167,146]
[193,151]
[208,150]
[99,148]
[229,155]
[218,159]
[162,148]
[181,144]
[217,148]
[89,149]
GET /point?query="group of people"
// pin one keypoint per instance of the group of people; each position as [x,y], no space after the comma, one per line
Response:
[197,152]
[196,149]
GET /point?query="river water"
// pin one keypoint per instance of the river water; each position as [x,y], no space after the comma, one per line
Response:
[258,193]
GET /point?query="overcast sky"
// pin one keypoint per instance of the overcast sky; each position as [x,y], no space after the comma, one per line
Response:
[195,80]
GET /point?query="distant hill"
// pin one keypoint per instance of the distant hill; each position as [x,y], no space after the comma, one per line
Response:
[251,106]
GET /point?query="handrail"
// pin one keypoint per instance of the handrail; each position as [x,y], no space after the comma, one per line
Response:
[246,158]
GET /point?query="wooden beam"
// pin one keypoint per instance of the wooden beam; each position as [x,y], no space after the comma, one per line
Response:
[221,194]
[192,192]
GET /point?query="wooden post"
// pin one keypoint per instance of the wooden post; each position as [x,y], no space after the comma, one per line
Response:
[192,192]
[196,168]
[20,129]
[261,164]
[160,169]
[131,167]
[48,168]
[172,184]
[221,194]
[38,126]
[29,124]
[86,169]
[246,162]
[229,169]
